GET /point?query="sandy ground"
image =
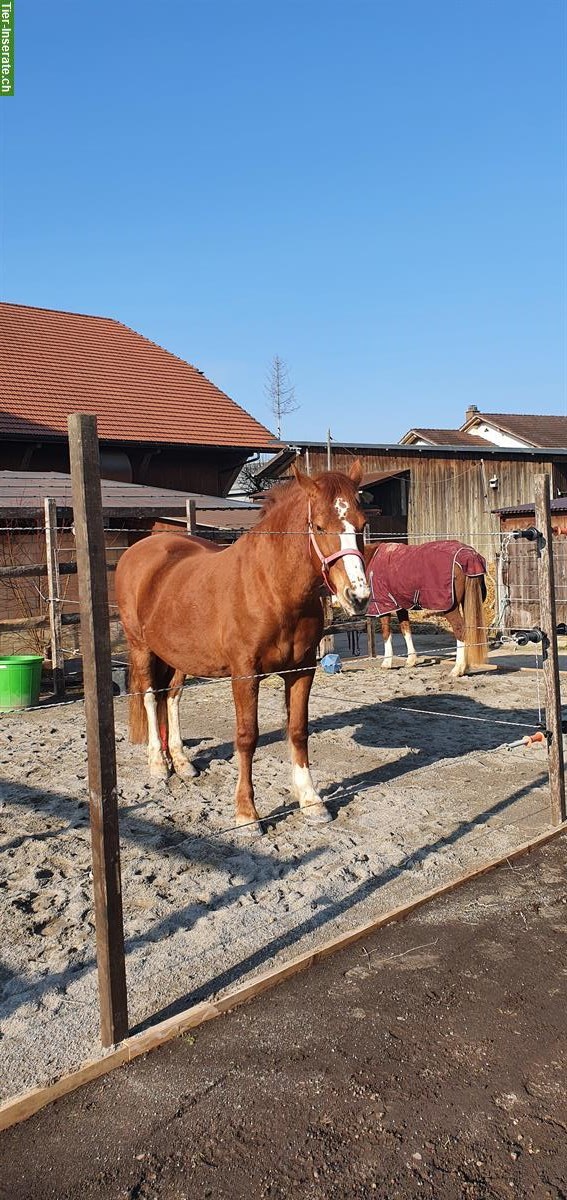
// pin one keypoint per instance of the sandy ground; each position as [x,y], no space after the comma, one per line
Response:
[417,796]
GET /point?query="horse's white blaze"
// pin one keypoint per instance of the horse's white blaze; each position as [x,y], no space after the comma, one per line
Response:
[353,566]
[154,743]
[303,785]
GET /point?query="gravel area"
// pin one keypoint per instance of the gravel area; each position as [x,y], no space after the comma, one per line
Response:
[418,795]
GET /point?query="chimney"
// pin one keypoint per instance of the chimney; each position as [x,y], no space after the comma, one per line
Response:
[470,412]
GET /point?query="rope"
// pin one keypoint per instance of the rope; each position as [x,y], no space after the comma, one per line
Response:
[316,670]
[117,531]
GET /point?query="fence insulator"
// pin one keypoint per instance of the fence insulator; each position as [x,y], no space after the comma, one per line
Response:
[529,635]
[531,534]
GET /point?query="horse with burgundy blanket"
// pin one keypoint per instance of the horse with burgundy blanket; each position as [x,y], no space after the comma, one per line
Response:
[189,607]
[441,577]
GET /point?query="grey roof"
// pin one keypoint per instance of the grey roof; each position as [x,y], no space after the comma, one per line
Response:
[23,492]
[559,505]
[480,449]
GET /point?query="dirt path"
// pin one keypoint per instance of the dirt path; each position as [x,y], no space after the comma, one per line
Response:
[428,1061]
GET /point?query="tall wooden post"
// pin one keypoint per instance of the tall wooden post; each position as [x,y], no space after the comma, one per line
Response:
[99,713]
[54,593]
[191,510]
[546,576]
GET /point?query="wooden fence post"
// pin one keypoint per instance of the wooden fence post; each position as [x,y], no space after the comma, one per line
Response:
[370,622]
[191,509]
[327,643]
[371,636]
[99,713]
[54,593]
[546,578]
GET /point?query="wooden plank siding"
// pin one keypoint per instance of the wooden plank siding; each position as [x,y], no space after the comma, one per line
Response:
[26,597]
[520,575]
[450,496]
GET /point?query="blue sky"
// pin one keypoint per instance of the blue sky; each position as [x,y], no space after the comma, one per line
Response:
[373,190]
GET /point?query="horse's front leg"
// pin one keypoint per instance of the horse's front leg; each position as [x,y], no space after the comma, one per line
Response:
[386,631]
[245,693]
[297,689]
[405,629]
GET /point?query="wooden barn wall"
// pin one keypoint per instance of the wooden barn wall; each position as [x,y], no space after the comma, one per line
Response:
[27,597]
[210,472]
[520,577]
[451,497]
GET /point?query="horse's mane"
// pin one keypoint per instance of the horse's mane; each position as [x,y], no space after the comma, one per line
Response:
[330,484]
[275,499]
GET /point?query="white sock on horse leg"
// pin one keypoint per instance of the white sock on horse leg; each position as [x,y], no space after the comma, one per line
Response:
[174,729]
[310,802]
[388,652]
[461,660]
[410,648]
[303,785]
[155,755]
[175,742]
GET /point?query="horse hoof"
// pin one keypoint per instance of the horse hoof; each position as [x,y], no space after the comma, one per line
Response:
[185,770]
[317,814]
[159,770]
[387,664]
[249,828]
[411,661]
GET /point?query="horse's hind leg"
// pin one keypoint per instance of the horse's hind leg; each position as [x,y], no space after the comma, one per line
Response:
[177,753]
[143,681]
[386,631]
[405,629]
[457,624]
[297,689]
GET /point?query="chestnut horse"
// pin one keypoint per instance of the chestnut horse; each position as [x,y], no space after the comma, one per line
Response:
[189,607]
[465,593]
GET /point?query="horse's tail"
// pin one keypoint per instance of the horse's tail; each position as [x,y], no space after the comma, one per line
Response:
[138,724]
[475,623]
[138,716]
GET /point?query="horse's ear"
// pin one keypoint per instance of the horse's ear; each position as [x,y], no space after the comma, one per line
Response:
[304,481]
[356,472]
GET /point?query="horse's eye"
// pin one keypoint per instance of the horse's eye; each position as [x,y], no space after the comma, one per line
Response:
[320,529]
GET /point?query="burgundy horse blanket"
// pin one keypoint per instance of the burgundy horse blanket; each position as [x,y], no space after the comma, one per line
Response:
[423,576]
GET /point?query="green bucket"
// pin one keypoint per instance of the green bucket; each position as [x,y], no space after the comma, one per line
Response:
[20,680]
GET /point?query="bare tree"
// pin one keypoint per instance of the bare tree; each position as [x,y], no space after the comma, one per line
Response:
[280,392]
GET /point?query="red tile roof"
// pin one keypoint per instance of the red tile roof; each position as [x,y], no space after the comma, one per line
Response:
[56,363]
[445,437]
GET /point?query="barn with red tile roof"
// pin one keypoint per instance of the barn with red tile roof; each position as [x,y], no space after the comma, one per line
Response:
[160,420]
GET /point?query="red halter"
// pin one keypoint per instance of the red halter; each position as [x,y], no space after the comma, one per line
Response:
[331,558]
